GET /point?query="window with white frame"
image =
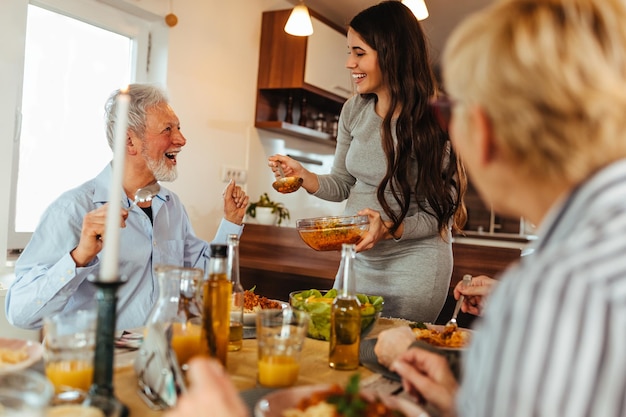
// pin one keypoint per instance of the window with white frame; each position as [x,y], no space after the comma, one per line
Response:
[76,53]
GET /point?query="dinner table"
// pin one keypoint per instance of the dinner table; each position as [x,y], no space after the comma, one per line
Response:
[242,368]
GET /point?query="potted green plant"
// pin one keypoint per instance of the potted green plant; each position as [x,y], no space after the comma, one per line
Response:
[266,211]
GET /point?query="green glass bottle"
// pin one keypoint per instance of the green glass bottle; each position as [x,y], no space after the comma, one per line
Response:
[345,317]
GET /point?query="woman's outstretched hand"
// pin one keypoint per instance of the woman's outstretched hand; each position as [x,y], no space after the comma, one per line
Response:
[293,168]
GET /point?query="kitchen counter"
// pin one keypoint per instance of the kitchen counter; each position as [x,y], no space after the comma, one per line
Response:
[500,240]
[277,261]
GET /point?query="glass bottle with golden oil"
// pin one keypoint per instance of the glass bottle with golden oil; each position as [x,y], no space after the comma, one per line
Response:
[235,339]
[217,290]
[345,317]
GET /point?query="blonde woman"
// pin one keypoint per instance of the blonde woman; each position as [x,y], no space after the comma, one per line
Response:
[538,97]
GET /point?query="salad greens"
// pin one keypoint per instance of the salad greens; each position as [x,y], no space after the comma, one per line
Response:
[350,404]
[318,306]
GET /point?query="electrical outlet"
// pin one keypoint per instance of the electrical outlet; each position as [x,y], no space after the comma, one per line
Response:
[240,175]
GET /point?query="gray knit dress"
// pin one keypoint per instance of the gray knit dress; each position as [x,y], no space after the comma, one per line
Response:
[411,273]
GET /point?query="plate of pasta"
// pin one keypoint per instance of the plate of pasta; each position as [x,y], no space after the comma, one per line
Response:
[432,334]
[18,354]
[429,336]
[254,303]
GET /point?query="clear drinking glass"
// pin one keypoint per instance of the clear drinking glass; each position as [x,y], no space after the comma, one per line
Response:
[69,346]
[280,335]
[24,394]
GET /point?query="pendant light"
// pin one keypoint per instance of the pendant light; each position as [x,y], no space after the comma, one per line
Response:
[299,22]
[171,19]
[418,7]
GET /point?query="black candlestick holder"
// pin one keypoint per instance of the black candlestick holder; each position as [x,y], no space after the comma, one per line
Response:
[101,393]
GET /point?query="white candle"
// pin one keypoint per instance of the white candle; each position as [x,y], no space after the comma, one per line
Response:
[111,251]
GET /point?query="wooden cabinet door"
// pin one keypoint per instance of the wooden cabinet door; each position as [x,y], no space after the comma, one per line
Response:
[326,55]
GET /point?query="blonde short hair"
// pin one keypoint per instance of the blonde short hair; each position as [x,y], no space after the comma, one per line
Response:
[551,76]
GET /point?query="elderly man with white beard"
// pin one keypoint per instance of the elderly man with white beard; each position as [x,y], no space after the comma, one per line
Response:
[65,249]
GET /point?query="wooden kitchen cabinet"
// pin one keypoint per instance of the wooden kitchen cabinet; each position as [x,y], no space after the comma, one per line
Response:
[276,261]
[475,260]
[326,54]
[309,68]
[481,260]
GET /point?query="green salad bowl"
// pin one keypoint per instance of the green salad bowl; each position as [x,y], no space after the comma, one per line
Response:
[318,305]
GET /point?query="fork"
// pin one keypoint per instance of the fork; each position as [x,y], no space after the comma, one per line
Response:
[451,325]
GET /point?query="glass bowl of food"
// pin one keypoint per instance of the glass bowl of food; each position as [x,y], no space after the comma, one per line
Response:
[329,233]
[318,305]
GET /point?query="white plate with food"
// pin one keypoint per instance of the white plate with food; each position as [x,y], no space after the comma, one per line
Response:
[254,303]
[308,400]
[430,337]
[18,354]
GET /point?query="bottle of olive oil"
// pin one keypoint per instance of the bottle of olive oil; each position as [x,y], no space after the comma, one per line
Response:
[345,317]
[237,298]
[217,291]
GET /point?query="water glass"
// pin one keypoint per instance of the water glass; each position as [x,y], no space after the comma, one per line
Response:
[24,394]
[280,335]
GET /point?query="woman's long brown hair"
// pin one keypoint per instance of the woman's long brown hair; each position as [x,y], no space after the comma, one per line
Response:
[392,30]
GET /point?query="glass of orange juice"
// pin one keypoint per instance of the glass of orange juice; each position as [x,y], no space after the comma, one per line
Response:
[69,343]
[280,335]
[187,340]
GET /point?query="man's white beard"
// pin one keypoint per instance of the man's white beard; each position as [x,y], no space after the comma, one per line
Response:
[160,170]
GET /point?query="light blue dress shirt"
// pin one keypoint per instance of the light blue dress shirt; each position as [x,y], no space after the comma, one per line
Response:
[48,281]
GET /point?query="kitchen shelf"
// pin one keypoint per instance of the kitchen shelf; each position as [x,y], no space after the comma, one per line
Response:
[285,91]
[297,131]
